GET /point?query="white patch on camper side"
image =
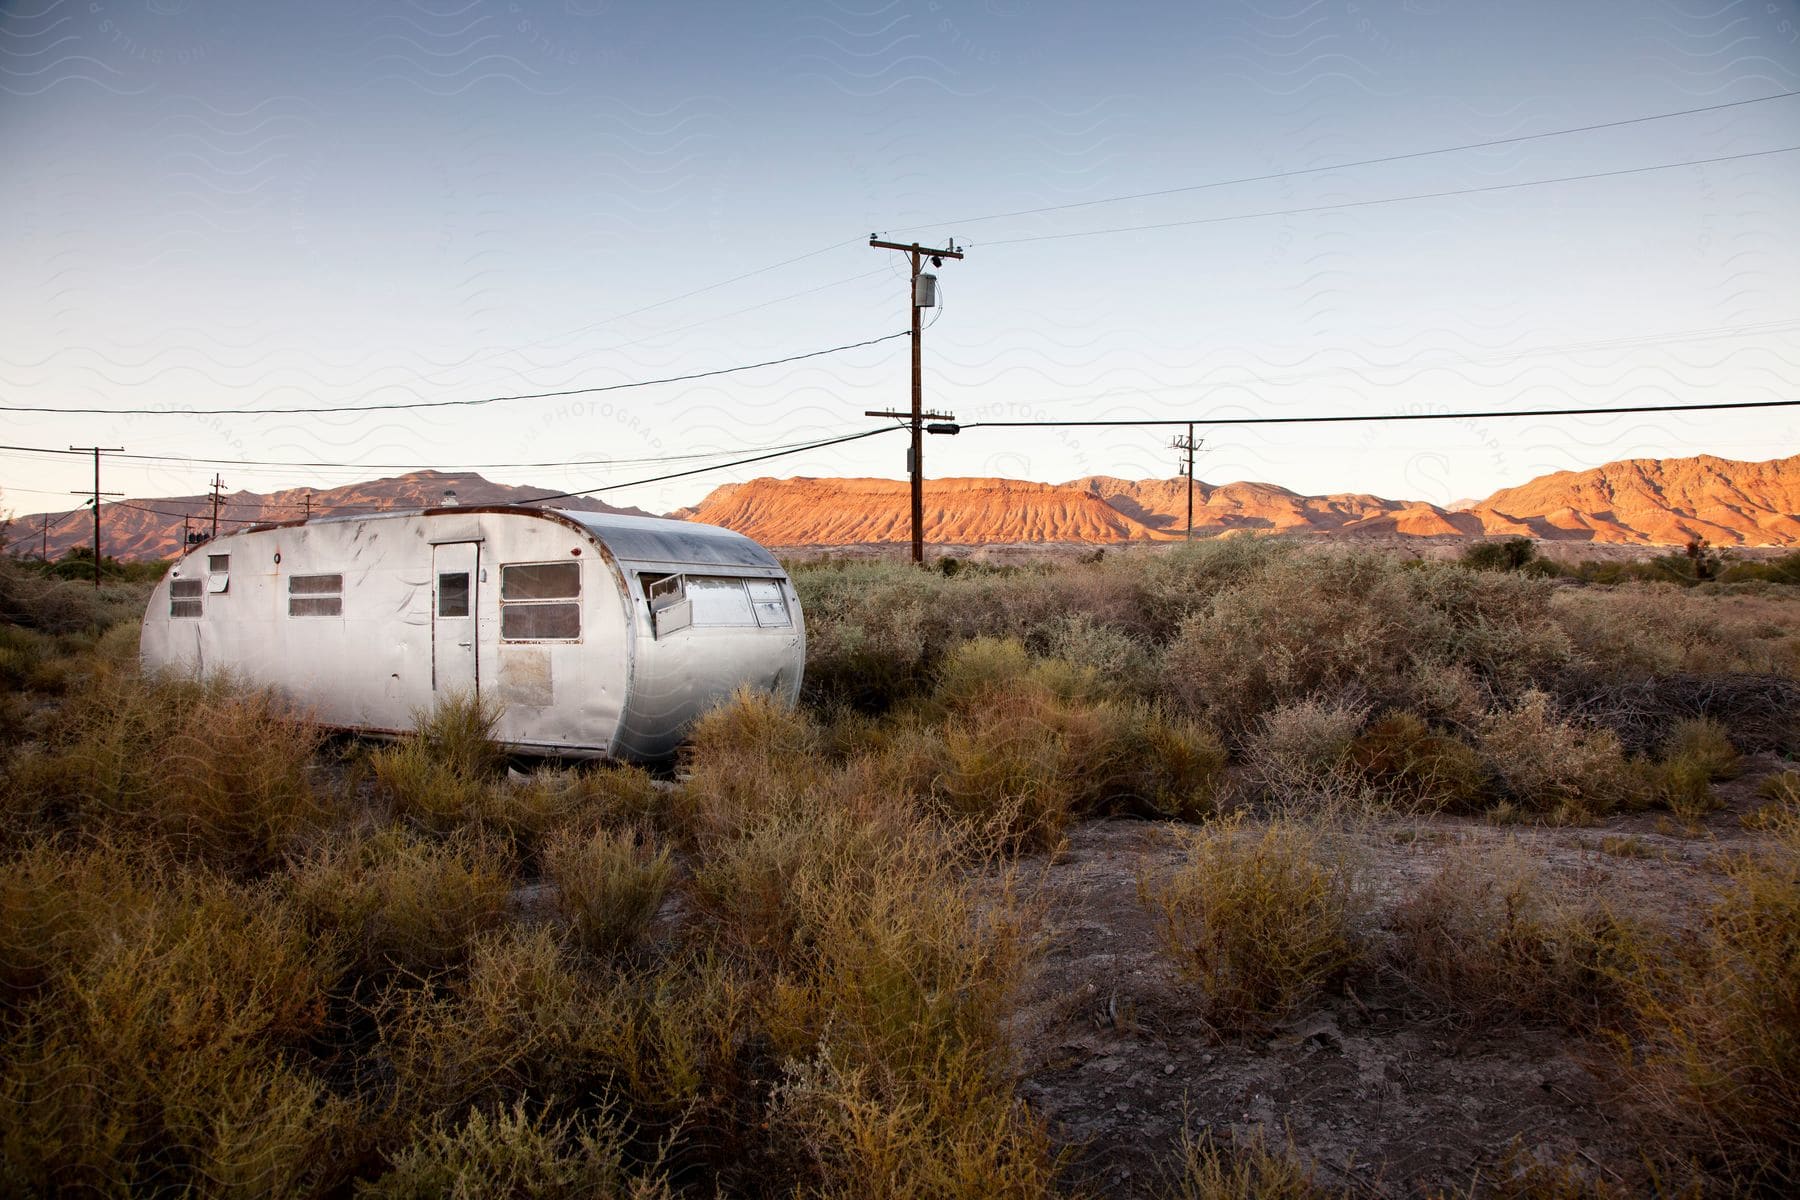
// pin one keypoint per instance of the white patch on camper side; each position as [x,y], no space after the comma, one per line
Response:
[525,678]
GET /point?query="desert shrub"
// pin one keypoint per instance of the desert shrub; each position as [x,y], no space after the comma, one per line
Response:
[1510,554]
[1761,711]
[862,1135]
[1188,578]
[1407,765]
[523,814]
[33,600]
[509,1026]
[1714,1067]
[1299,757]
[1318,756]
[979,673]
[869,639]
[670,1055]
[1119,663]
[1781,803]
[746,758]
[397,902]
[512,1154]
[1547,765]
[609,885]
[1358,626]
[1002,772]
[1705,744]
[900,972]
[1261,923]
[439,778]
[1650,630]
[1208,1170]
[1491,934]
[1029,745]
[211,771]
[151,1051]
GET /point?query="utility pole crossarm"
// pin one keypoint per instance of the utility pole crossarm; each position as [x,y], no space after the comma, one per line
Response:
[915,248]
[915,466]
[1189,445]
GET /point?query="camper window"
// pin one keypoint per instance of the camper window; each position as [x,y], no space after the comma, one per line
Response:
[218,572]
[315,595]
[719,601]
[539,602]
[770,605]
[184,598]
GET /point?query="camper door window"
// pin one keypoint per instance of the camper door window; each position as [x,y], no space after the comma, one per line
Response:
[540,602]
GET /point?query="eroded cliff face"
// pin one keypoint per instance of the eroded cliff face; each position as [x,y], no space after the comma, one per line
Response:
[1640,501]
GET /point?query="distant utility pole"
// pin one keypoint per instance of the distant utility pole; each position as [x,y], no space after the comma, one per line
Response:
[97,452]
[218,489]
[1189,445]
[924,295]
[308,499]
[44,554]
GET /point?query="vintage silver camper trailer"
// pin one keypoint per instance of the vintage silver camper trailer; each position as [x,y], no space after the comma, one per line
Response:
[598,635]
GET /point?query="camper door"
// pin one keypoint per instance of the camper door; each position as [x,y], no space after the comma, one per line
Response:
[454,666]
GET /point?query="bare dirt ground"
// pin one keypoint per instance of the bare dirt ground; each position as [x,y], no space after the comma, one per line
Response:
[1380,1100]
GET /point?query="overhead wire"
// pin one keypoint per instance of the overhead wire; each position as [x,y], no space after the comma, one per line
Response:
[1490,143]
[593,491]
[1380,200]
[469,403]
[1341,418]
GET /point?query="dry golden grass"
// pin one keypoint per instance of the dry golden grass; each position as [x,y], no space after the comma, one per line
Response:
[1712,1065]
[148,1044]
[1492,935]
[395,902]
[1210,1171]
[1260,922]
[1553,767]
[609,884]
[514,1153]
[215,772]
[224,973]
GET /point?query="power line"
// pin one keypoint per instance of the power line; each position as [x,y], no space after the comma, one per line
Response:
[406,466]
[419,404]
[1347,417]
[1363,162]
[836,441]
[1468,191]
[818,445]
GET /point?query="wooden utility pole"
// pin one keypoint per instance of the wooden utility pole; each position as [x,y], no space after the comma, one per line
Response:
[218,488]
[97,452]
[1189,445]
[915,461]
[44,554]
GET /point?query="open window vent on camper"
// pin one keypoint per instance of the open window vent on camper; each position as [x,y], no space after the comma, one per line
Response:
[594,634]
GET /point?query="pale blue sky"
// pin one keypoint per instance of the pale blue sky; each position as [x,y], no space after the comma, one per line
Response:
[238,204]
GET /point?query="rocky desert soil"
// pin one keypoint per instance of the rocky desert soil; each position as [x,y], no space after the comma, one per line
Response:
[1381,1099]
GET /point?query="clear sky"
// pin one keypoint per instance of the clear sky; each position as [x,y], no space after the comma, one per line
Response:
[223,203]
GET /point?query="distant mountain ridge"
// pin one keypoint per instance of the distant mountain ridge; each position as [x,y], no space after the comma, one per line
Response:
[1643,501]
[1640,501]
[150,529]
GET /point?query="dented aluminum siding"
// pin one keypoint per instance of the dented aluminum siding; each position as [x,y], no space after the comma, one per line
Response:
[616,690]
